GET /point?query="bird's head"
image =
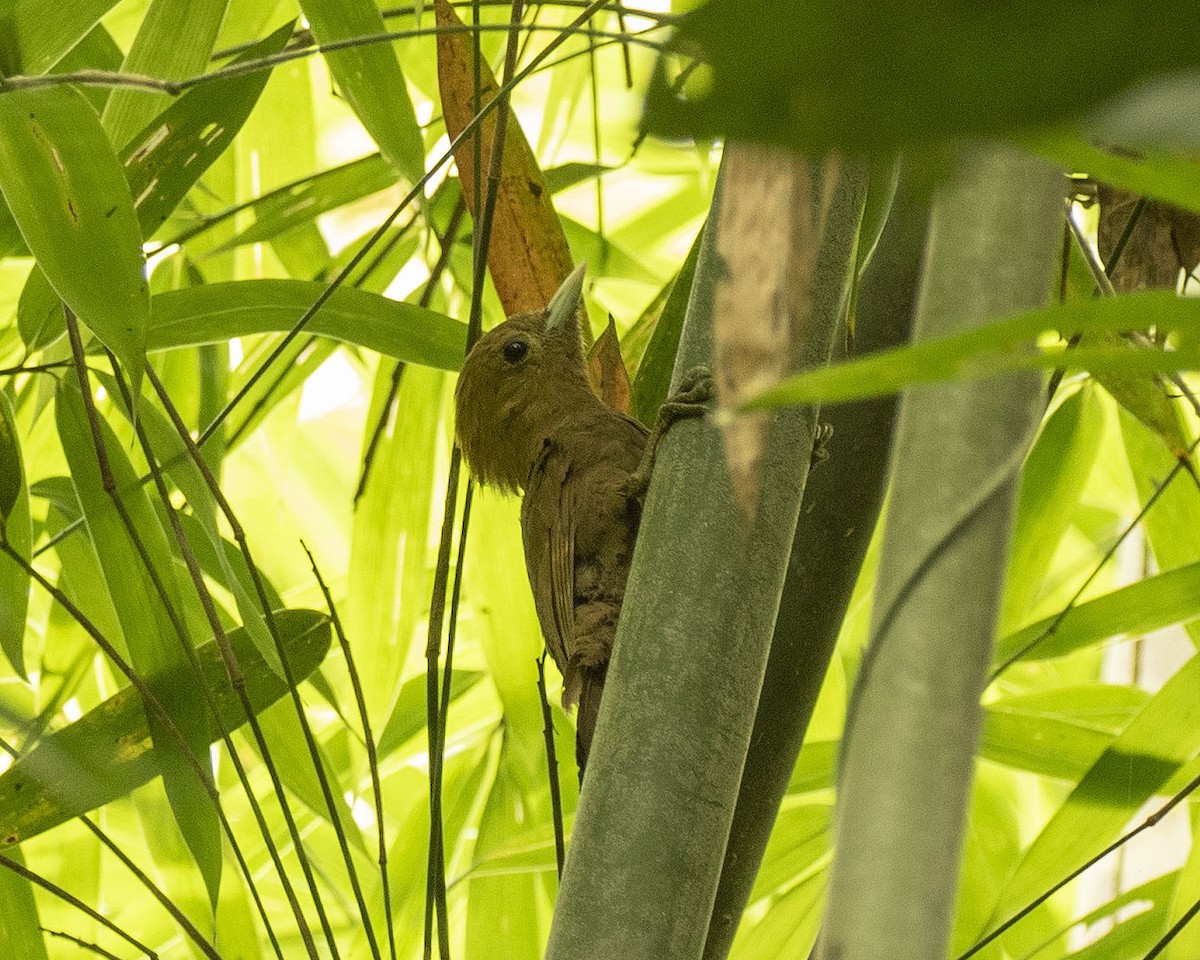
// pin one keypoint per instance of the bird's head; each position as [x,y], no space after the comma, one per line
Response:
[521,381]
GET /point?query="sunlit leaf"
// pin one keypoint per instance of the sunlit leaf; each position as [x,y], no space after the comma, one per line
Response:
[149,609]
[1003,345]
[67,191]
[221,311]
[174,150]
[107,752]
[370,78]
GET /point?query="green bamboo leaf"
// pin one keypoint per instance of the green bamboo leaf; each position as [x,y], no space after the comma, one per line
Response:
[1150,604]
[108,752]
[40,317]
[180,144]
[41,37]
[233,573]
[1173,178]
[174,41]
[20,926]
[1147,397]
[304,201]
[505,902]
[68,194]
[370,79]
[154,644]
[17,531]
[1003,346]
[653,378]
[1079,721]
[872,76]
[220,311]
[408,716]
[1156,751]
[1055,473]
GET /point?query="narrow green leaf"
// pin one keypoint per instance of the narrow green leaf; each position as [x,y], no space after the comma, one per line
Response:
[18,533]
[12,476]
[42,37]
[1139,764]
[1150,604]
[68,194]
[304,201]
[1055,472]
[176,147]
[370,79]
[508,902]
[154,644]
[1147,397]
[390,566]
[174,41]
[1080,722]
[221,311]
[40,317]
[1174,178]
[108,752]
[408,713]
[1002,346]
[20,927]
[653,378]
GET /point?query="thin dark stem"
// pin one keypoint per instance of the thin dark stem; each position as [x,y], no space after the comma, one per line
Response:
[1176,929]
[560,846]
[23,871]
[435,879]
[154,705]
[201,942]
[369,740]
[1053,626]
[435,275]
[237,680]
[1045,895]
[81,943]
[137,81]
[232,667]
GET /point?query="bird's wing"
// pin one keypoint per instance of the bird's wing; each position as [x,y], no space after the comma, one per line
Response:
[548,529]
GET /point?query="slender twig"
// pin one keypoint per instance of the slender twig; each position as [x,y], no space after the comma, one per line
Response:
[1052,627]
[1176,929]
[139,81]
[230,661]
[1045,895]
[232,667]
[560,847]
[435,275]
[81,943]
[201,942]
[65,895]
[154,705]
[369,740]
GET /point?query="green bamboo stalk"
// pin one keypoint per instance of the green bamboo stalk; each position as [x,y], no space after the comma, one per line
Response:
[663,775]
[841,504]
[909,749]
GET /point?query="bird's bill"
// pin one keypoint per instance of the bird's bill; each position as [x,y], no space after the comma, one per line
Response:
[566,299]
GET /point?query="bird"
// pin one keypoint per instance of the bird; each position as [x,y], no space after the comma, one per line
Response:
[528,422]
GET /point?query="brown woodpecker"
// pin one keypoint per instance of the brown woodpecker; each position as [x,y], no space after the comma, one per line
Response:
[528,420]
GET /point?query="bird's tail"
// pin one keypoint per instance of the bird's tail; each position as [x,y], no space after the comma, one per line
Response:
[591,689]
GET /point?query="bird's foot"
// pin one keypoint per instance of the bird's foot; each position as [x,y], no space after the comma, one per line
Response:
[820,446]
[690,399]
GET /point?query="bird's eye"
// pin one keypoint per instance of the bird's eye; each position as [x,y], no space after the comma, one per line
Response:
[515,350]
